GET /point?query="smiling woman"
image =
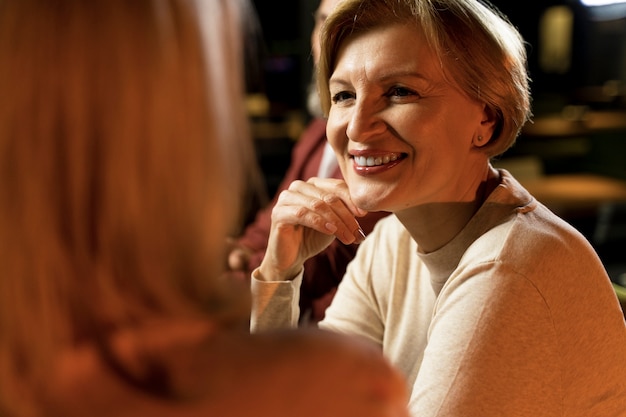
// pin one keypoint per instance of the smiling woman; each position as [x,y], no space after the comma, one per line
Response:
[463,287]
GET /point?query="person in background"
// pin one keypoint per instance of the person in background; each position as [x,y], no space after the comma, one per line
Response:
[312,156]
[489,303]
[118,120]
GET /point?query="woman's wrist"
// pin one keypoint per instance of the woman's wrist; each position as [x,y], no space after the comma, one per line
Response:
[269,273]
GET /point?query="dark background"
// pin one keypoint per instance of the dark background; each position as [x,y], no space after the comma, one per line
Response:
[599,51]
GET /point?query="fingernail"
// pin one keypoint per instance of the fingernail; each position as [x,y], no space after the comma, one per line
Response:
[360,235]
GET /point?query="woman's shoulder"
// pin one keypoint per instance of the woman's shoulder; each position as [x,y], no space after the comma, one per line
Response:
[319,372]
[280,373]
[84,385]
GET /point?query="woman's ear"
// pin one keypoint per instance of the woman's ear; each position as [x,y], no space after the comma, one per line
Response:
[487,127]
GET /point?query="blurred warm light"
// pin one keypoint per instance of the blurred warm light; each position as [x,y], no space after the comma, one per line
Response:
[555,32]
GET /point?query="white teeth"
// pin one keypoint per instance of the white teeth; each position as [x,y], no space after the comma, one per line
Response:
[371,161]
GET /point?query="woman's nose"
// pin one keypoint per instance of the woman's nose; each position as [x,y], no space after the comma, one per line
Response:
[365,122]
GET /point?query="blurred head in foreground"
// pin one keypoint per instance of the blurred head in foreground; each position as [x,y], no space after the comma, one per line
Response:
[122,146]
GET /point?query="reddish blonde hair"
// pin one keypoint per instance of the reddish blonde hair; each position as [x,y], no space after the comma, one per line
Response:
[123,138]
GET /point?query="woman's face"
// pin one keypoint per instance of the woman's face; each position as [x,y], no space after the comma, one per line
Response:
[402,134]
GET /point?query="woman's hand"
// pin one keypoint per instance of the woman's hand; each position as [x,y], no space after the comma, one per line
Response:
[305,220]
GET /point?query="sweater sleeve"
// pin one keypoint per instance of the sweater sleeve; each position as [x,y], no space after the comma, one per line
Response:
[274,303]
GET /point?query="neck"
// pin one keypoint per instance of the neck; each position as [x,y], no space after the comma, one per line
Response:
[433,225]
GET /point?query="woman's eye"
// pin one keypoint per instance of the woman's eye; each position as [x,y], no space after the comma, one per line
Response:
[342,96]
[400,92]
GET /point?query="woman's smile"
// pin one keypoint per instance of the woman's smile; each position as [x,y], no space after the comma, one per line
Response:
[369,162]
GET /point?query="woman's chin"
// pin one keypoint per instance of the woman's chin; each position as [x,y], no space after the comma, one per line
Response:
[367,202]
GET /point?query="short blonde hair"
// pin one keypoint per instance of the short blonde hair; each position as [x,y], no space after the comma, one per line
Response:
[123,137]
[478,47]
